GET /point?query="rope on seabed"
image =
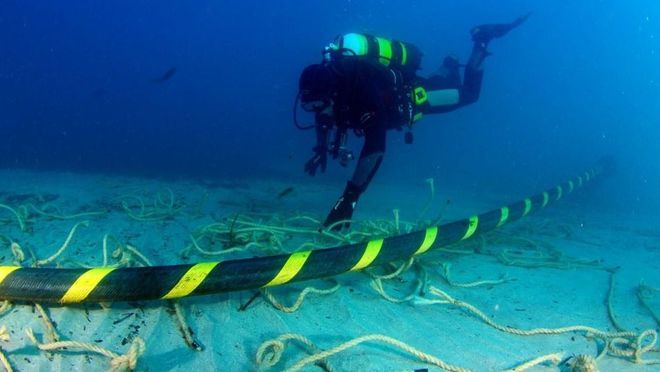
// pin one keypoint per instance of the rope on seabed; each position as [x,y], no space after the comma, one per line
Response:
[4,336]
[51,332]
[634,349]
[42,212]
[201,250]
[126,362]
[610,308]
[64,245]
[17,252]
[377,285]
[270,352]
[395,273]
[6,305]
[301,297]
[161,209]
[622,344]
[185,329]
[21,222]
[554,359]
[377,282]
[445,275]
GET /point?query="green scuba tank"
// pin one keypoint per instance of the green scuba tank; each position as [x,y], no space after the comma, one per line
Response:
[390,53]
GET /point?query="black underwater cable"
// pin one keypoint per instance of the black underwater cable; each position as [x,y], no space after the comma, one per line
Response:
[103,284]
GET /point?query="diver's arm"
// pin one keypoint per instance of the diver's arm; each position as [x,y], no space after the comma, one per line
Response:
[322,130]
[320,158]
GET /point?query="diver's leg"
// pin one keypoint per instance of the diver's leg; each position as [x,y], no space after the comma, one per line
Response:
[474,74]
[481,36]
[370,159]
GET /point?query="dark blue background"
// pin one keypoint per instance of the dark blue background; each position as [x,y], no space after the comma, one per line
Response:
[579,80]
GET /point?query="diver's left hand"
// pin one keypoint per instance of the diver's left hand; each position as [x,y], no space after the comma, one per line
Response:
[320,159]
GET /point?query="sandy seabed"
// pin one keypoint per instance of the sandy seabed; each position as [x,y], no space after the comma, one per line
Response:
[588,245]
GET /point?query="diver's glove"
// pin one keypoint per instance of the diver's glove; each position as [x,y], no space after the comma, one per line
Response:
[483,34]
[343,208]
[320,159]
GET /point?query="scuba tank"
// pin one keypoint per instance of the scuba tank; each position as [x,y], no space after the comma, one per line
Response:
[399,55]
[400,59]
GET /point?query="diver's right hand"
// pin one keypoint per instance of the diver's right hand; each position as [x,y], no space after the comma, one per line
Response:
[320,159]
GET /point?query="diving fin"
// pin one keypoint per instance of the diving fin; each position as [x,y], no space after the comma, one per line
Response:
[486,33]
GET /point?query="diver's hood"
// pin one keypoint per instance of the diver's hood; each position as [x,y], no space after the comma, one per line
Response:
[317,82]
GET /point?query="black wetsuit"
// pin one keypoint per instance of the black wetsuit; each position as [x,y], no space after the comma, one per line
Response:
[367,100]
[371,98]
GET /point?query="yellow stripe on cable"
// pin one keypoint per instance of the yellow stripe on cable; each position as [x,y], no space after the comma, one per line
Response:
[191,280]
[85,284]
[429,238]
[546,199]
[528,206]
[560,192]
[571,186]
[504,215]
[291,267]
[369,255]
[580,181]
[472,227]
[6,270]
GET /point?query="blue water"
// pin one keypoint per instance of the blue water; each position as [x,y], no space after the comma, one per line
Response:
[81,108]
[578,81]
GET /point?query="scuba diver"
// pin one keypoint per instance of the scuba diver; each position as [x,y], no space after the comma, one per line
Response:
[369,85]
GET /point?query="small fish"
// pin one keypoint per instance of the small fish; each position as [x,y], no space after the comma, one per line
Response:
[167,75]
[285,192]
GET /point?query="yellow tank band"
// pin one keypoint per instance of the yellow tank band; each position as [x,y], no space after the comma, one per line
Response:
[384,51]
[404,54]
